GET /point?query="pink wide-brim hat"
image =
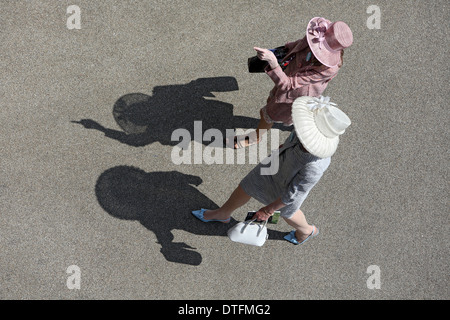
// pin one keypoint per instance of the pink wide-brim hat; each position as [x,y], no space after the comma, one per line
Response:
[327,39]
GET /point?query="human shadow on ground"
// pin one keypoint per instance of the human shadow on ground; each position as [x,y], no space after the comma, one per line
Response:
[162,202]
[146,119]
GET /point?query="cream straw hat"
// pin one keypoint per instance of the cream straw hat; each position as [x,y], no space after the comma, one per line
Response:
[318,124]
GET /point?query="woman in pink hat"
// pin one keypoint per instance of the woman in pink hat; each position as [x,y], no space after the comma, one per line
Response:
[309,65]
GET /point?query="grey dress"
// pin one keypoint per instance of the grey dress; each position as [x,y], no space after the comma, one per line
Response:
[292,179]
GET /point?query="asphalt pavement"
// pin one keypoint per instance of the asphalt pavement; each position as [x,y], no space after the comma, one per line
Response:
[94,111]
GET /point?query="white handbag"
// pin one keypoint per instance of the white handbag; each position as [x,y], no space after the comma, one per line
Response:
[249,232]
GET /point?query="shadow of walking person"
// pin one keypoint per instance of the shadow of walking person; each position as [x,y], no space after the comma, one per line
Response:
[161,202]
[146,119]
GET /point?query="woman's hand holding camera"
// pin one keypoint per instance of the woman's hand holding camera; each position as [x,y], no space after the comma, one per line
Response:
[267,55]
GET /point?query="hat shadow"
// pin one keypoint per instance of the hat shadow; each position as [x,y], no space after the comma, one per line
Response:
[147,119]
[161,202]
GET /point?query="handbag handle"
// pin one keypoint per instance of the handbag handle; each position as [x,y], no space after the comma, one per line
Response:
[248,223]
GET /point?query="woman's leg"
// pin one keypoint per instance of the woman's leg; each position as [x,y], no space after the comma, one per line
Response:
[262,128]
[237,199]
[301,226]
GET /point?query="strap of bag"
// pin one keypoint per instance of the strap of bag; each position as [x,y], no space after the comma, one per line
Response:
[248,223]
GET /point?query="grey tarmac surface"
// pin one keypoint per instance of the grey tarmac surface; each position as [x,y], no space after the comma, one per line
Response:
[75,189]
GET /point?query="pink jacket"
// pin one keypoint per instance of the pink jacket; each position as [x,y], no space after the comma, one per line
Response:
[299,79]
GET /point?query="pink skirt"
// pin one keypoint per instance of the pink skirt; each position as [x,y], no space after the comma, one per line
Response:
[277,113]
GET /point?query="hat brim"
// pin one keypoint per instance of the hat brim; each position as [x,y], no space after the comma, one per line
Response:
[326,57]
[311,138]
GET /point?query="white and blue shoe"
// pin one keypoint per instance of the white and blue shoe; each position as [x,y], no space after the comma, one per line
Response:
[292,238]
[199,215]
